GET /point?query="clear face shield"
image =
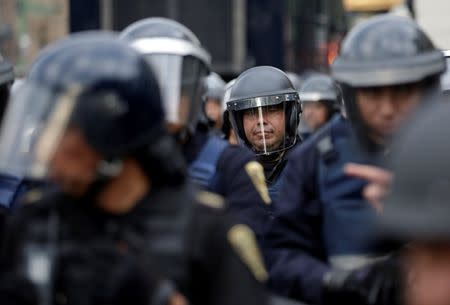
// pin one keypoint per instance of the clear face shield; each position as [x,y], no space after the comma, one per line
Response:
[266,124]
[35,122]
[180,79]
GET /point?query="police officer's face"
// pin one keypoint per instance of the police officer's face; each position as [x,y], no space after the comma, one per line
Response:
[383,109]
[428,267]
[74,163]
[267,125]
[314,115]
[213,110]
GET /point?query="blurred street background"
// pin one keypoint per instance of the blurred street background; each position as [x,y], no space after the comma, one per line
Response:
[294,35]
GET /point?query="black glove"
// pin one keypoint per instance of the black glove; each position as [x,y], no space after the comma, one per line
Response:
[377,284]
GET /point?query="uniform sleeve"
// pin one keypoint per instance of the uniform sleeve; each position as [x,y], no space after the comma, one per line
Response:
[238,270]
[246,196]
[293,249]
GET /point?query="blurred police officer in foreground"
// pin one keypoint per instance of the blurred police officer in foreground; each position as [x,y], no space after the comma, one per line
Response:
[319,241]
[264,109]
[417,209]
[180,64]
[12,187]
[321,99]
[214,90]
[125,228]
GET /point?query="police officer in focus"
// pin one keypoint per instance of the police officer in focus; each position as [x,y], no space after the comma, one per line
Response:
[318,246]
[125,227]
[321,99]
[264,109]
[181,64]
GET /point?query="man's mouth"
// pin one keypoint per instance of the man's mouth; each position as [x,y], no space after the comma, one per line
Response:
[267,135]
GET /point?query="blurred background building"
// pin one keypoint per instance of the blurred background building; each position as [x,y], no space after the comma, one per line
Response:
[294,35]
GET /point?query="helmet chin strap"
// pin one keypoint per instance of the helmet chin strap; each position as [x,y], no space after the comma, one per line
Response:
[106,171]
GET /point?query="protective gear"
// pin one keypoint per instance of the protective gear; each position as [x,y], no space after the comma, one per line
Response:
[259,92]
[295,80]
[214,90]
[322,88]
[214,87]
[109,94]
[384,51]
[227,93]
[180,64]
[417,206]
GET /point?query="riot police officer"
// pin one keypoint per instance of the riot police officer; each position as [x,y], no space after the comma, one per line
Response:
[214,87]
[264,109]
[321,99]
[124,208]
[416,211]
[318,248]
[181,63]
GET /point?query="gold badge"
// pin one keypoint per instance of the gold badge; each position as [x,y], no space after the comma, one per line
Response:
[244,243]
[32,196]
[210,199]
[256,172]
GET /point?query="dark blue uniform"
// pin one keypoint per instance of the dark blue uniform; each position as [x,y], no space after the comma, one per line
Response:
[321,218]
[232,178]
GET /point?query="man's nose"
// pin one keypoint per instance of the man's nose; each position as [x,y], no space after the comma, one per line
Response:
[387,103]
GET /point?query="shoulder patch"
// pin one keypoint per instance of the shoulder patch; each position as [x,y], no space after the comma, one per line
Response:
[243,240]
[256,173]
[210,199]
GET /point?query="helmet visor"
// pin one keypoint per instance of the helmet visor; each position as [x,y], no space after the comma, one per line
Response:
[180,79]
[34,123]
[268,128]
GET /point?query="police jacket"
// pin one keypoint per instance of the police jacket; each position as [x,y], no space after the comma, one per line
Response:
[232,172]
[321,220]
[189,238]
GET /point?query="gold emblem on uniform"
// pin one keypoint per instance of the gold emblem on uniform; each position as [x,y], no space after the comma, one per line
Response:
[244,242]
[210,199]
[256,173]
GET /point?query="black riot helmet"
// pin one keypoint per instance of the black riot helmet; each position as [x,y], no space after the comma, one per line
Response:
[102,87]
[385,50]
[256,94]
[179,61]
[322,88]
[6,79]
[418,205]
